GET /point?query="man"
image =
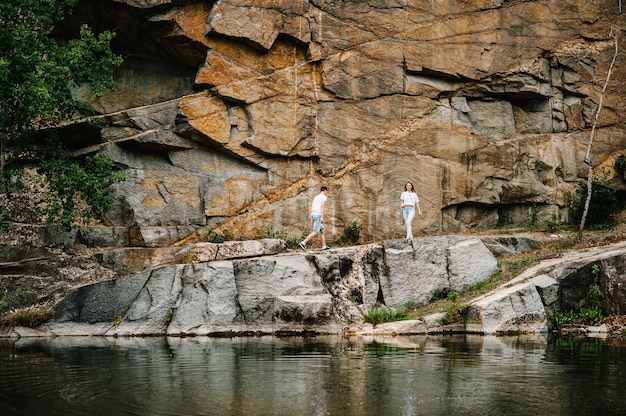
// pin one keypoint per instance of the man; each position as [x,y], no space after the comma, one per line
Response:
[317,219]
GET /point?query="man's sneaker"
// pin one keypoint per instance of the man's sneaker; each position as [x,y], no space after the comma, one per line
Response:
[325,248]
[302,245]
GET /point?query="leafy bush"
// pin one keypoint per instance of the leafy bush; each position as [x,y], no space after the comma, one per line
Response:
[552,224]
[37,74]
[564,318]
[351,234]
[585,316]
[70,182]
[602,207]
[592,314]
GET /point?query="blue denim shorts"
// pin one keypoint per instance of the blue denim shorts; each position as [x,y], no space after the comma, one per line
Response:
[317,223]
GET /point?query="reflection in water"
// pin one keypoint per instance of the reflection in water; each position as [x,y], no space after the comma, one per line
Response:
[452,375]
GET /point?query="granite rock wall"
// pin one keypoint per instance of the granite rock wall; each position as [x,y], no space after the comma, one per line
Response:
[230,114]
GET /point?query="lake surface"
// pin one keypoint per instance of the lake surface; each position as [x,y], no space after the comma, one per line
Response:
[447,375]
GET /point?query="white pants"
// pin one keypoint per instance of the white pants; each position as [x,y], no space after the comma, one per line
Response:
[408,214]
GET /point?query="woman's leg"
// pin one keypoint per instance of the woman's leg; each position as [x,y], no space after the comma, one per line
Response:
[408,218]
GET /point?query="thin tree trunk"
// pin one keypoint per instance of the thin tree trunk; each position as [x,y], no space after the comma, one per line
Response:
[593,129]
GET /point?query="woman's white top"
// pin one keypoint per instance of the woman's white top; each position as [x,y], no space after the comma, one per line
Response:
[409,198]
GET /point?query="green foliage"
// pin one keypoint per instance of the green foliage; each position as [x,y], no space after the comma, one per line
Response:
[595,271]
[552,224]
[533,221]
[292,243]
[585,316]
[564,318]
[603,205]
[351,234]
[37,74]
[620,163]
[453,296]
[487,284]
[70,181]
[14,299]
[37,71]
[592,313]
[532,217]
[168,316]
[591,316]
[270,232]
[516,266]
[215,237]
[379,314]
[86,56]
[455,314]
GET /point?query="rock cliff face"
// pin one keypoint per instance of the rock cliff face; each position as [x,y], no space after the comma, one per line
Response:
[230,114]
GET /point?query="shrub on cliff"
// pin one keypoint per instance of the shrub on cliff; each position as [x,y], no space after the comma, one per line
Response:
[603,205]
[351,234]
[37,74]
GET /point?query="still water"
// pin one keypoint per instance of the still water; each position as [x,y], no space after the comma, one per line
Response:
[449,375]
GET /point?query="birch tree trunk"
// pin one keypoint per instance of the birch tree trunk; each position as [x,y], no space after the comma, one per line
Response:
[593,129]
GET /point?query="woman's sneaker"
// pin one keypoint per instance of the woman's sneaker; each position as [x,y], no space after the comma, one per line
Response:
[325,248]
[302,245]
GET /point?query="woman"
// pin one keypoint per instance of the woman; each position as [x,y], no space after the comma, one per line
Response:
[409,201]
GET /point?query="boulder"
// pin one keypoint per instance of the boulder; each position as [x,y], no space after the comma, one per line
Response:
[420,270]
[517,310]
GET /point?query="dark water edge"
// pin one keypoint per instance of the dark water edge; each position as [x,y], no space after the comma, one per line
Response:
[323,375]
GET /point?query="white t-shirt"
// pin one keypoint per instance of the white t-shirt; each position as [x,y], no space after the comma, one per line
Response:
[409,198]
[316,206]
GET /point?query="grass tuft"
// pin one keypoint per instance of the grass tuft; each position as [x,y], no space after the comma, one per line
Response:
[380,314]
[29,318]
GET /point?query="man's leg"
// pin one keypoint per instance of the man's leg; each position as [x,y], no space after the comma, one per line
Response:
[309,237]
